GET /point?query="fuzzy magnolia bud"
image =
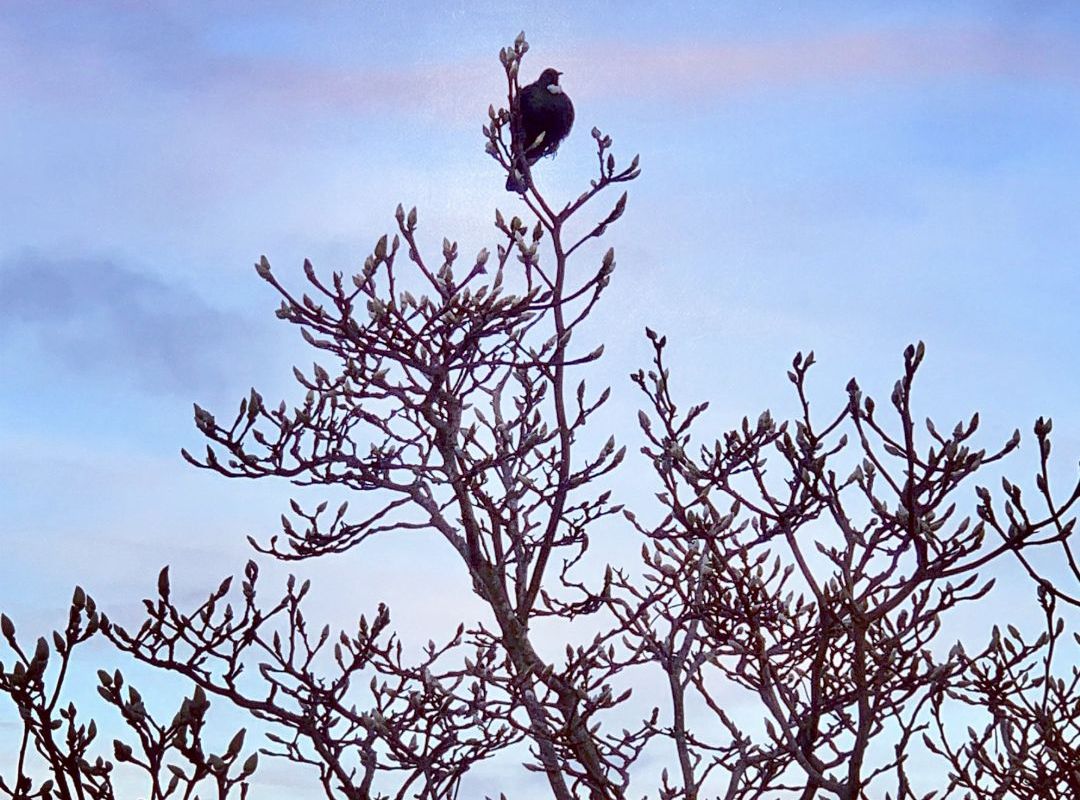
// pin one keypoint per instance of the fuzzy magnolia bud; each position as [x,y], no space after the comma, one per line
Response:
[204,420]
[236,743]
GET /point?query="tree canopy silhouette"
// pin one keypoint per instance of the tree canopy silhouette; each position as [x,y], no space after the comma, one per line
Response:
[800,568]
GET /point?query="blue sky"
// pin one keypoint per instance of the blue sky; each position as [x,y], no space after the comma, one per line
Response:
[843,177]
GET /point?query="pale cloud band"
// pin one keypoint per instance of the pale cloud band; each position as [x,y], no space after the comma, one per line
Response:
[685,70]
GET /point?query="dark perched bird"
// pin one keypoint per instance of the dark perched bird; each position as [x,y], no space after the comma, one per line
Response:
[541,118]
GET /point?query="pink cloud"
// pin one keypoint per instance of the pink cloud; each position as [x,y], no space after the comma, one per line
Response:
[453,92]
[694,69]
[677,71]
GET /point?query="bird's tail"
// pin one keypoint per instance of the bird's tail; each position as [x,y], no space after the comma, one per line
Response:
[516,183]
[518,180]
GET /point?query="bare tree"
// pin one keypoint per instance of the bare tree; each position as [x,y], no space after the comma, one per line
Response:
[811,564]
[806,565]
[173,756]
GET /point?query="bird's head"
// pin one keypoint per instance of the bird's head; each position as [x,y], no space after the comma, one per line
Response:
[549,77]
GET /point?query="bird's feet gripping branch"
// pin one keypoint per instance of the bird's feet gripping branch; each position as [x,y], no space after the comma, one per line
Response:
[538,117]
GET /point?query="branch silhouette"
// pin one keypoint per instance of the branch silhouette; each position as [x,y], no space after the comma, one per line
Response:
[804,568]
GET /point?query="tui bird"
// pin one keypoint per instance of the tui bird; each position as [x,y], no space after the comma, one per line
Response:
[541,118]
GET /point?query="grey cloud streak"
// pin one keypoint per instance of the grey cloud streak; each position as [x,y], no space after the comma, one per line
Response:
[105,319]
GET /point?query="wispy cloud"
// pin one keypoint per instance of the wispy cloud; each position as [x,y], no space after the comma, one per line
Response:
[308,80]
[700,69]
[103,318]
[675,71]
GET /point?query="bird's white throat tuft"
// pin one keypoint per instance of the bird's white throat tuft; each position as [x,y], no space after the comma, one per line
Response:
[554,88]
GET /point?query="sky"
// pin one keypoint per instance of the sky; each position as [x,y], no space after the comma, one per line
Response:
[842,177]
